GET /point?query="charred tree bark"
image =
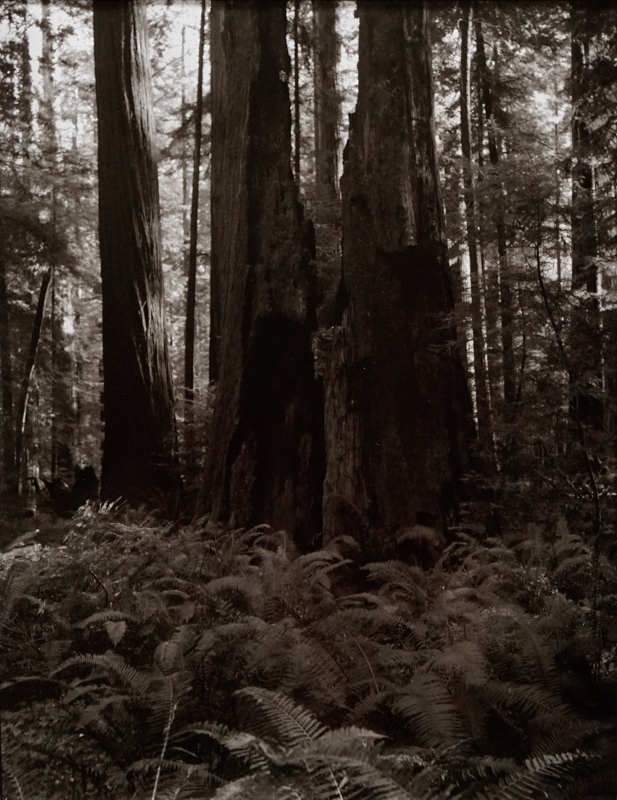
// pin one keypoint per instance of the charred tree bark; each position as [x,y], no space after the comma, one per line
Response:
[585,337]
[505,280]
[477,322]
[398,412]
[189,329]
[138,451]
[266,460]
[327,105]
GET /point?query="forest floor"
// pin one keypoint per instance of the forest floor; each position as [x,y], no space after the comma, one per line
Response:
[142,659]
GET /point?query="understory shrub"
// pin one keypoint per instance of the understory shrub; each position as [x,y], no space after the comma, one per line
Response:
[141,661]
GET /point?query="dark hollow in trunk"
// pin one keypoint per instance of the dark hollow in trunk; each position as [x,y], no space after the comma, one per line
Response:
[398,413]
[266,460]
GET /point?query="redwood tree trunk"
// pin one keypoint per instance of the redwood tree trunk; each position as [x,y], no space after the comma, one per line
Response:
[138,455]
[265,462]
[398,413]
[327,106]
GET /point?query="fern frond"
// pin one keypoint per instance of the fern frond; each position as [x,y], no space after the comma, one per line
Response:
[109,614]
[169,655]
[427,707]
[245,593]
[110,662]
[540,774]
[567,735]
[529,700]
[274,717]
[464,658]
[397,577]
[509,621]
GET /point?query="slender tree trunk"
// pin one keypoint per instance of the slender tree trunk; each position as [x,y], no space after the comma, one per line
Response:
[557,215]
[189,331]
[454,224]
[490,278]
[35,337]
[326,210]
[138,451]
[398,412]
[61,363]
[585,338]
[265,462]
[217,249]
[25,81]
[8,423]
[297,91]
[186,216]
[505,281]
[480,378]
[327,105]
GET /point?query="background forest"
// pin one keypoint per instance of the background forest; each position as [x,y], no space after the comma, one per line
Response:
[308,351]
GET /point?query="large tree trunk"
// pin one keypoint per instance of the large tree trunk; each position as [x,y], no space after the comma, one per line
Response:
[398,412]
[477,321]
[265,462]
[499,211]
[138,451]
[327,104]
[585,337]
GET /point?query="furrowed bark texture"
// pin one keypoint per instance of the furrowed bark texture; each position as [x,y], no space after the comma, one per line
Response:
[398,413]
[138,456]
[266,460]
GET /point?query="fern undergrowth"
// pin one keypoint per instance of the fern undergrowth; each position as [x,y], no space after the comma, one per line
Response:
[141,661]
